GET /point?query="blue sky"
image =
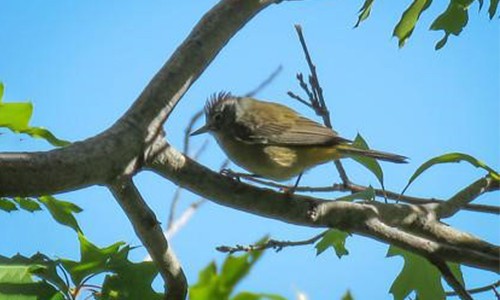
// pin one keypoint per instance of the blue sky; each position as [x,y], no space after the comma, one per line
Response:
[83,64]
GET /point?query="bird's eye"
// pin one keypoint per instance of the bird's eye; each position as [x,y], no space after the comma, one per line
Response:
[217,117]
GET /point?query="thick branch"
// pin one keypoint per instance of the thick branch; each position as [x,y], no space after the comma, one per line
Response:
[119,149]
[149,231]
[464,197]
[372,219]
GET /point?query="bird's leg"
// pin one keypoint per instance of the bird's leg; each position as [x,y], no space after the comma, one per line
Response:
[291,190]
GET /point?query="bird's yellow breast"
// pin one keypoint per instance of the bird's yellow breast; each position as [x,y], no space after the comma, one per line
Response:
[275,162]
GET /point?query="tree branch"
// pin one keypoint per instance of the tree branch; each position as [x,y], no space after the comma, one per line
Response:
[464,197]
[271,243]
[451,279]
[316,99]
[489,287]
[410,227]
[119,150]
[149,231]
[355,188]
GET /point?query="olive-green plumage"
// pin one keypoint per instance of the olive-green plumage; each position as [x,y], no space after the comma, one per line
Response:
[274,141]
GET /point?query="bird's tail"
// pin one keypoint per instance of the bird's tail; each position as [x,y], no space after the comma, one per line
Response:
[349,150]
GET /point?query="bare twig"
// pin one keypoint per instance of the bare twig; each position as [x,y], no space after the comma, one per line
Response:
[451,279]
[184,218]
[271,243]
[355,188]
[176,225]
[316,99]
[414,200]
[489,287]
[265,83]
[189,129]
[185,149]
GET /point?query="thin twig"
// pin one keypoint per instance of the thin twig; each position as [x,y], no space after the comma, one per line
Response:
[450,278]
[414,200]
[265,83]
[185,149]
[184,218]
[271,243]
[189,129]
[355,188]
[316,99]
[489,287]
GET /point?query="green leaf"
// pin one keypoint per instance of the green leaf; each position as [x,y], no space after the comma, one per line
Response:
[368,162]
[347,296]
[333,238]
[62,211]
[93,260]
[364,12]
[417,275]
[451,158]
[15,116]
[39,132]
[452,20]
[235,268]
[7,205]
[214,285]
[457,272]
[368,195]
[207,286]
[129,280]
[17,279]
[27,204]
[492,10]
[406,24]
[252,296]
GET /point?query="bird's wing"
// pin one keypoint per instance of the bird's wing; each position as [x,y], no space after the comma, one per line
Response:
[286,127]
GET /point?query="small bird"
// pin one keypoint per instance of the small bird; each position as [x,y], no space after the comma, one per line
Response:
[274,141]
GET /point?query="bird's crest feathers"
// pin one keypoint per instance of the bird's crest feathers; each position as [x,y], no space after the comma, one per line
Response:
[214,100]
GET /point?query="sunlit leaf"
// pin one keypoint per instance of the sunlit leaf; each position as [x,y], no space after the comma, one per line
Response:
[419,276]
[16,116]
[253,296]
[364,12]
[451,158]
[62,211]
[406,24]
[39,132]
[333,238]
[18,280]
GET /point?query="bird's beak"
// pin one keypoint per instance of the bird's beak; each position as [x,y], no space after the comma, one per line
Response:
[205,128]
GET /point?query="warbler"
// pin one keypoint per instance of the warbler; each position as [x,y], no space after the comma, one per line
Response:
[274,141]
